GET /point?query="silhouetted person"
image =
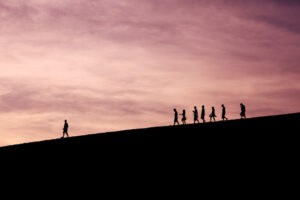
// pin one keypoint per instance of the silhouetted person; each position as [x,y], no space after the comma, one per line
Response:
[243,111]
[203,114]
[183,117]
[65,129]
[212,114]
[195,111]
[224,113]
[175,117]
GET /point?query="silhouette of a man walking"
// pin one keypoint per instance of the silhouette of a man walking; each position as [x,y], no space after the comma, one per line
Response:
[203,114]
[243,111]
[195,111]
[183,117]
[212,114]
[65,129]
[224,113]
[175,117]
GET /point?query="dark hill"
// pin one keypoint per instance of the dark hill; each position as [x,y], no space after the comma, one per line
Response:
[237,158]
[267,135]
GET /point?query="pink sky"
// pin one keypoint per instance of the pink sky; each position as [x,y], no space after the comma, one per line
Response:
[108,65]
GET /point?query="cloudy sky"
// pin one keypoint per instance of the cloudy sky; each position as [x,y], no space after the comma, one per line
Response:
[108,64]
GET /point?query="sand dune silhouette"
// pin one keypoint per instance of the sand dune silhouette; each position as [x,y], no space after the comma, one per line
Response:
[253,134]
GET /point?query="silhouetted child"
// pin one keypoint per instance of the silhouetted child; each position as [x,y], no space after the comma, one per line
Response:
[212,114]
[195,111]
[203,114]
[243,111]
[65,129]
[175,117]
[224,113]
[183,117]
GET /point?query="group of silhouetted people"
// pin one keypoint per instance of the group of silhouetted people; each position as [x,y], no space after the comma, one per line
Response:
[212,115]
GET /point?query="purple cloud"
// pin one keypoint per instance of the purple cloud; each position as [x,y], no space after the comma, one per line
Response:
[109,65]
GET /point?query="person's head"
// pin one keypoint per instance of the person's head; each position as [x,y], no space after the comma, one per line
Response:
[213,108]
[222,105]
[183,110]
[241,104]
[65,121]
[202,106]
[195,107]
[174,109]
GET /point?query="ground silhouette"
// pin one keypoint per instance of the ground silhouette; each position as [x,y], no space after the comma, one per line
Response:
[253,136]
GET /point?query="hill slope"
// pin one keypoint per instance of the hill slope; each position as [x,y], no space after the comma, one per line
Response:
[250,135]
[237,158]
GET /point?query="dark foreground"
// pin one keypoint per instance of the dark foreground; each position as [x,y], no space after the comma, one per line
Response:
[263,138]
[256,158]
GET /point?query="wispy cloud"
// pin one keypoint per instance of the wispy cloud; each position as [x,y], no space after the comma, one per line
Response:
[109,65]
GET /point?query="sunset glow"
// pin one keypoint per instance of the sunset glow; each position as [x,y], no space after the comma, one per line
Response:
[108,65]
